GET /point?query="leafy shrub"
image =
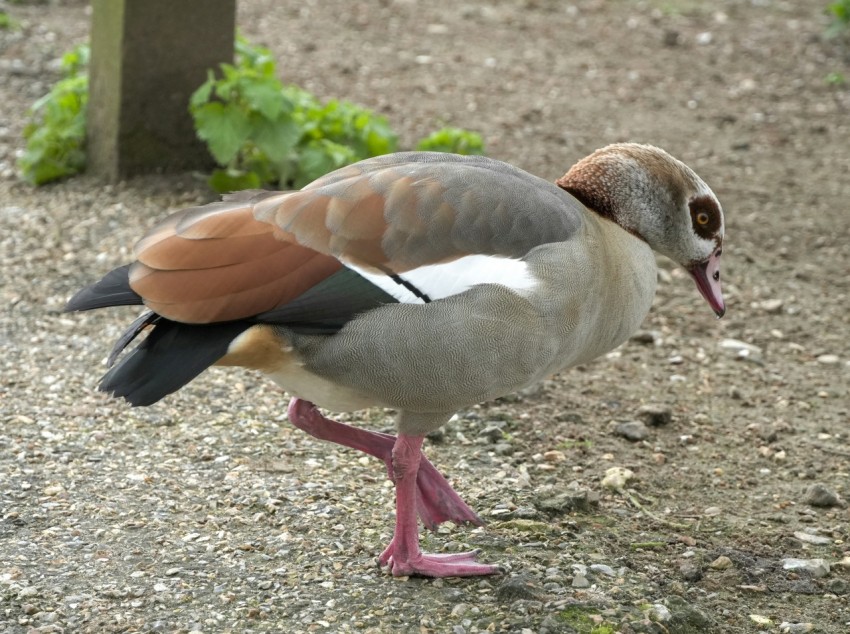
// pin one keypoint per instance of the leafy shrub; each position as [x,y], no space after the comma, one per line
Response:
[456,140]
[840,12]
[56,133]
[262,132]
[259,131]
[7,22]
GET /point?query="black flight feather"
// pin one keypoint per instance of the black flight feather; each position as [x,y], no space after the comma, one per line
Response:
[113,290]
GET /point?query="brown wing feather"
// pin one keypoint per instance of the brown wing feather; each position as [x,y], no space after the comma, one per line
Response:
[219,263]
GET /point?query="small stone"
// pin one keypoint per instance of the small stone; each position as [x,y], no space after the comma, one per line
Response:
[820,496]
[608,571]
[837,586]
[617,477]
[516,588]
[811,538]
[815,567]
[436,436]
[741,349]
[721,563]
[671,38]
[493,432]
[771,306]
[554,456]
[646,337]
[460,609]
[688,618]
[503,449]
[563,503]
[796,628]
[580,581]
[761,621]
[526,526]
[660,613]
[690,572]
[655,415]
[53,489]
[160,587]
[829,359]
[712,511]
[632,430]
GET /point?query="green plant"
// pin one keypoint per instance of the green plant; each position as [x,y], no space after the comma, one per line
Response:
[455,140]
[56,132]
[835,79]
[840,12]
[261,132]
[7,22]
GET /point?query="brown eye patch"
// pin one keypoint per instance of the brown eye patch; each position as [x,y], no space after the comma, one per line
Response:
[705,216]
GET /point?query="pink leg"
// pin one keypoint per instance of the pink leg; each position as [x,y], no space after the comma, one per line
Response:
[436,501]
[403,555]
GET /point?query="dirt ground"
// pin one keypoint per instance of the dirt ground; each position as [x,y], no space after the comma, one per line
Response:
[209,513]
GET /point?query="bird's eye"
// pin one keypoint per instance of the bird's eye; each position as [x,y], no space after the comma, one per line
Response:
[702,218]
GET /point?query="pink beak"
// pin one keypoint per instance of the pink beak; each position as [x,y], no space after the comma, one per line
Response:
[707,276]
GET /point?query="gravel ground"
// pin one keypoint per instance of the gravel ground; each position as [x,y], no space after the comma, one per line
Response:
[209,513]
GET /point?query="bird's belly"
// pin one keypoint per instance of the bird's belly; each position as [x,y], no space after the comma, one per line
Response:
[267,349]
[300,382]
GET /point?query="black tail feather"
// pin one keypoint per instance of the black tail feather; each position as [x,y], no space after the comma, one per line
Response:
[144,320]
[113,290]
[170,356]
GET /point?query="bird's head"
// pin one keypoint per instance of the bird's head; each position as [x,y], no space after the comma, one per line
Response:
[660,200]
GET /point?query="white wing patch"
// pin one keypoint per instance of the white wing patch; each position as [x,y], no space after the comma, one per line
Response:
[437,281]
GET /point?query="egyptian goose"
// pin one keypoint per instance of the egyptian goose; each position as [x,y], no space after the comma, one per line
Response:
[422,282]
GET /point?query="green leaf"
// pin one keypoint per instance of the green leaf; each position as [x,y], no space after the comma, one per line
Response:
[202,94]
[56,131]
[319,158]
[455,140]
[224,181]
[224,127]
[276,138]
[264,95]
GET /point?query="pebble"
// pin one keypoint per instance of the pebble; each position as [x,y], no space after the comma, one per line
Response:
[741,349]
[811,538]
[617,477]
[815,567]
[493,432]
[829,359]
[503,449]
[563,503]
[796,628]
[690,572]
[519,587]
[580,581]
[838,586]
[646,337]
[554,456]
[634,430]
[721,563]
[608,571]
[655,415]
[660,613]
[820,496]
[761,621]
[771,306]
